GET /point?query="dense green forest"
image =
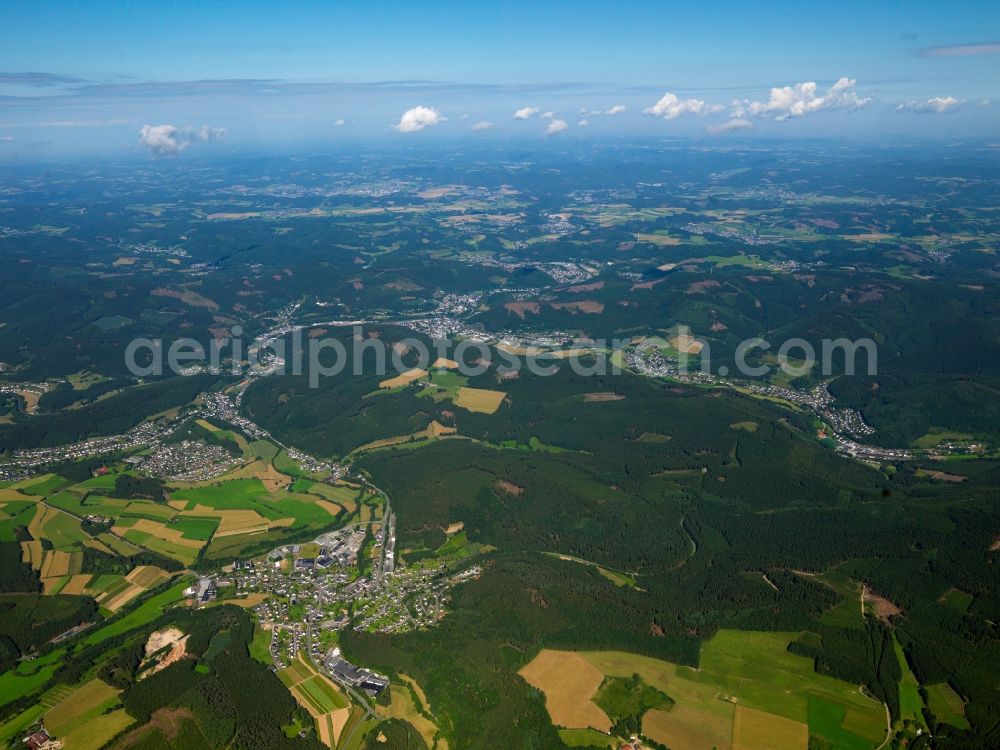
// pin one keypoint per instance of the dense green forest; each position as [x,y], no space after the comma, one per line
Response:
[109,416]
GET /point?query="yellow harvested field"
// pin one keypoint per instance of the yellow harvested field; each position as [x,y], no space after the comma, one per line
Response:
[161,530]
[98,545]
[331,508]
[349,505]
[758,730]
[42,514]
[418,690]
[434,429]
[272,479]
[569,353]
[698,720]
[480,399]
[232,522]
[146,576]
[404,378]
[31,399]
[325,732]
[330,726]
[661,240]
[338,720]
[445,364]
[56,564]
[240,522]
[76,584]
[123,597]
[401,706]
[9,493]
[248,601]
[32,553]
[658,673]
[686,344]
[569,683]
[689,728]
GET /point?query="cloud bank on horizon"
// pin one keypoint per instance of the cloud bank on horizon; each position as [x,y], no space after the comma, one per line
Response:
[783,104]
[801,99]
[670,107]
[936,105]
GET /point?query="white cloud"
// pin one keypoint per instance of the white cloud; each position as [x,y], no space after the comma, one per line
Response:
[801,99]
[418,118]
[729,126]
[526,113]
[670,107]
[339,123]
[167,140]
[937,105]
[6,139]
[617,109]
[483,125]
[556,126]
[465,116]
[962,50]
[548,115]
[584,122]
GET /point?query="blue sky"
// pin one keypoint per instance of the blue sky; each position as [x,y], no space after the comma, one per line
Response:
[79,77]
